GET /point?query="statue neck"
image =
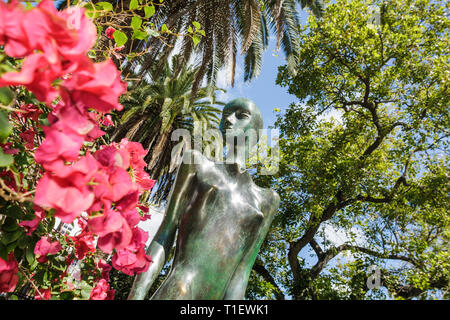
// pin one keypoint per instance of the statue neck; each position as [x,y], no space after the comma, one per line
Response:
[237,156]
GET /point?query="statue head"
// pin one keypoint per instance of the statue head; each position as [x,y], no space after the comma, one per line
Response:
[239,116]
[240,124]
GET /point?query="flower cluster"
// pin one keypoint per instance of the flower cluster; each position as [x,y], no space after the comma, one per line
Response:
[8,274]
[105,184]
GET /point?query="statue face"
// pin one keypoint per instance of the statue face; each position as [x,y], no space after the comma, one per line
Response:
[239,116]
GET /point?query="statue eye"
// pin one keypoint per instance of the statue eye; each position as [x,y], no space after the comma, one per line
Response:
[243,115]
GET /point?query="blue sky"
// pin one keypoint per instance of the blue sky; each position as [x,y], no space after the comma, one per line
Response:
[263,90]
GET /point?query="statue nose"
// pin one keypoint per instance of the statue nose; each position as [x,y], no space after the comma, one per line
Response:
[231,119]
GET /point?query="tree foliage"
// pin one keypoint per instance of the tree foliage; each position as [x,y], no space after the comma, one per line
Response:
[153,110]
[376,175]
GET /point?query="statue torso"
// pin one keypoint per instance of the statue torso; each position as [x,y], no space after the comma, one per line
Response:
[223,212]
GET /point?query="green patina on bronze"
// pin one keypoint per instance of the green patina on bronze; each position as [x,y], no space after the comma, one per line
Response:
[221,216]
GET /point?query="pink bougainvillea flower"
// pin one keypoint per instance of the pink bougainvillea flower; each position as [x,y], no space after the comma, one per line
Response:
[132,259]
[113,183]
[68,33]
[109,32]
[8,178]
[7,148]
[12,35]
[84,244]
[68,200]
[110,156]
[136,152]
[8,274]
[132,216]
[74,119]
[54,43]
[44,247]
[43,294]
[145,210]
[131,263]
[60,143]
[28,137]
[30,111]
[102,291]
[128,202]
[117,49]
[98,86]
[139,239]
[31,225]
[112,229]
[105,267]
[82,32]
[80,173]
[120,183]
[107,121]
[37,75]
[143,180]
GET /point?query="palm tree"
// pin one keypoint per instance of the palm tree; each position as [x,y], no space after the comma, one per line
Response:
[227,23]
[152,111]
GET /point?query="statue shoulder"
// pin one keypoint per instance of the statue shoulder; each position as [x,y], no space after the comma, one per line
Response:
[193,158]
[271,200]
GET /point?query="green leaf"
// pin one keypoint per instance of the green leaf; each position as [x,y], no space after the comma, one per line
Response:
[149,11]
[141,35]
[12,211]
[10,237]
[120,38]
[153,33]
[23,242]
[190,30]
[10,225]
[196,25]
[67,295]
[164,28]
[85,290]
[5,126]
[51,224]
[196,40]
[3,252]
[127,115]
[6,96]
[105,5]
[91,11]
[136,23]
[133,4]
[5,159]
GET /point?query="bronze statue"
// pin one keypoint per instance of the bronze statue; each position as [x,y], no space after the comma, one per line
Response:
[222,218]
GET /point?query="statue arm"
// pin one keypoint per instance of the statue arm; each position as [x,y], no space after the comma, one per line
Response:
[163,241]
[238,283]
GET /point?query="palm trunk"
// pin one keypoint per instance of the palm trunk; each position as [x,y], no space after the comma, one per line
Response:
[157,152]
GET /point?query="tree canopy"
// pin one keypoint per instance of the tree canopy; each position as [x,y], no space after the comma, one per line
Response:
[364,158]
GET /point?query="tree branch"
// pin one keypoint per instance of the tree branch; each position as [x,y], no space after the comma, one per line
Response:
[263,272]
[316,247]
[334,251]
